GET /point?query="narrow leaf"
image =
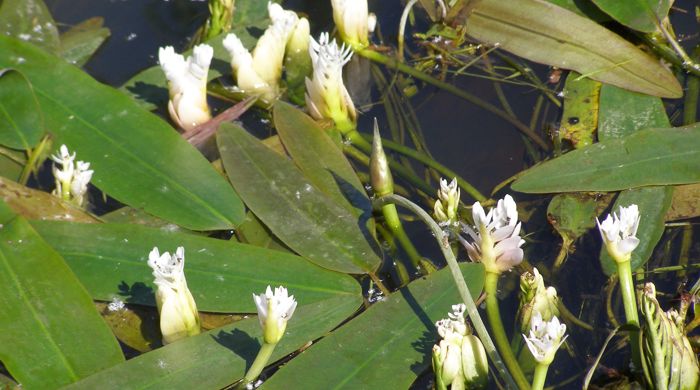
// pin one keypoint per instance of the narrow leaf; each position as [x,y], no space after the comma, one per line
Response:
[138,159]
[292,208]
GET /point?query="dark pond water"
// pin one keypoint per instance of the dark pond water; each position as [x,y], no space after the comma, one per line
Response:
[477,145]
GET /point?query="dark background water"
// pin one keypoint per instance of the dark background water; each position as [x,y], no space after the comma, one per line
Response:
[476,144]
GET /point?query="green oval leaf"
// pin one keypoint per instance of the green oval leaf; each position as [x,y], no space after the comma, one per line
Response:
[291,207]
[548,34]
[220,274]
[138,159]
[387,346]
[50,332]
[220,357]
[647,157]
[21,125]
[641,15]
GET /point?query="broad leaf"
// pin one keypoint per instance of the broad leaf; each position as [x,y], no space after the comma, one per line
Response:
[82,40]
[50,332]
[641,15]
[298,213]
[138,159]
[21,125]
[31,21]
[623,113]
[220,274]
[548,34]
[393,336]
[35,204]
[220,357]
[647,157]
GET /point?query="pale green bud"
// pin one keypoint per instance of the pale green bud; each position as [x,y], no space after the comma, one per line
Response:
[274,310]
[534,297]
[448,201]
[380,174]
[475,365]
[297,61]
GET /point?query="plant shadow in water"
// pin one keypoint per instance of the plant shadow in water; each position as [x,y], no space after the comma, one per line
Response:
[425,343]
[240,343]
[141,294]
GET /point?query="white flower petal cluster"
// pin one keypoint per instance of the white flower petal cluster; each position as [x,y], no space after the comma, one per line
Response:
[619,232]
[326,95]
[178,312]
[260,72]
[274,310]
[459,358]
[536,298]
[353,21]
[495,238]
[187,84]
[545,338]
[72,178]
[446,205]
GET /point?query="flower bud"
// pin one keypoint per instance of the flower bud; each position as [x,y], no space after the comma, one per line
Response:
[447,203]
[534,297]
[475,365]
[380,174]
[447,362]
[352,20]
[619,232]
[178,312]
[274,310]
[297,62]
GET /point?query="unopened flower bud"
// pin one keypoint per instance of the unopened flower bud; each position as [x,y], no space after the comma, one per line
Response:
[475,365]
[447,203]
[274,310]
[380,174]
[534,297]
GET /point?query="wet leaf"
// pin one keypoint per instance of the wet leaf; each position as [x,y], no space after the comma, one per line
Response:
[572,215]
[579,120]
[297,212]
[647,157]
[641,15]
[30,21]
[685,202]
[220,274]
[42,307]
[81,41]
[21,124]
[137,158]
[393,336]
[548,34]
[218,358]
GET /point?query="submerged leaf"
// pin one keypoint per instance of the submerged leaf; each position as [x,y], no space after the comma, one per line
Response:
[82,40]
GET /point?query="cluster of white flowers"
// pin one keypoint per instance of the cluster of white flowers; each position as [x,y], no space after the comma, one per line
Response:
[545,338]
[274,310]
[72,178]
[619,232]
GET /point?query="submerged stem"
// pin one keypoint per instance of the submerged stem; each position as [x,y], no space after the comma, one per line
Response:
[472,311]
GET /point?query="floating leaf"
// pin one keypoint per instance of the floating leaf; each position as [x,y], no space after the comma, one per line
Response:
[31,21]
[291,207]
[647,157]
[220,357]
[579,120]
[623,113]
[571,215]
[641,15]
[393,336]
[138,159]
[548,34]
[21,125]
[221,274]
[50,333]
[81,41]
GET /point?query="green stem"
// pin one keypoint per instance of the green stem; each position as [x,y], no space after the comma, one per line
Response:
[472,311]
[32,159]
[391,216]
[540,376]
[426,160]
[629,300]
[258,364]
[690,105]
[393,63]
[499,334]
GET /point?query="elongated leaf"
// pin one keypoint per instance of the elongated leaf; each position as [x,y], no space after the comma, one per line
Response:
[221,274]
[292,208]
[21,125]
[623,113]
[50,333]
[218,358]
[647,157]
[138,159]
[393,336]
[80,42]
[318,157]
[31,21]
[545,33]
[641,15]
[149,87]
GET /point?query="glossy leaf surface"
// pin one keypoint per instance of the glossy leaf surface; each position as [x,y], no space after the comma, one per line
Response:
[21,125]
[218,358]
[220,274]
[395,335]
[50,332]
[137,158]
[298,213]
[30,21]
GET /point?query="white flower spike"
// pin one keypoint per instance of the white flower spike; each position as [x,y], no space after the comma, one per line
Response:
[326,95]
[619,232]
[353,21]
[178,312]
[187,84]
[72,178]
[274,310]
[545,338]
[446,205]
[495,238]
